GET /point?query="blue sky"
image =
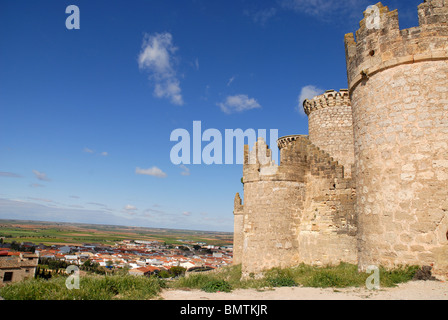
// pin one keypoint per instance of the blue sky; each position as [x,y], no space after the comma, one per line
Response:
[86,114]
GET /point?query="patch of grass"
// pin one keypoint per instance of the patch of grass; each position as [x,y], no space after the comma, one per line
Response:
[90,288]
[96,287]
[392,277]
[193,281]
[339,276]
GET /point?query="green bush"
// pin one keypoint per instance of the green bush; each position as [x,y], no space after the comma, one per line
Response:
[391,277]
[193,281]
[216,285]
[281,282]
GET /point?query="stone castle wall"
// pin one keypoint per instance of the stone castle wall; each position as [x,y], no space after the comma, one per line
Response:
[398,81]
[298,211]
[369,185]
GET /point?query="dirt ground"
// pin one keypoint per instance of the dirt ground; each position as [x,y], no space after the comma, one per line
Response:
[413,290]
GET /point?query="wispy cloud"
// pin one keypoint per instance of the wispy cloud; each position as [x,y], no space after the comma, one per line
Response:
[130,209]
[150,210]
[231,80]
[40,199]
[154,171]
[9,174]
[36,185]
[97,204]
[326,9]
[262,16]
[186,171]
[157,58]
[196,63]
[50,211]
[41,175]
[88,150]
[238,103]
[307,92]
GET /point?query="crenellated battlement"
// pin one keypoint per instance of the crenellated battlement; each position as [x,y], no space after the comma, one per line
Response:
[380,44]
[330,98]
[283,142]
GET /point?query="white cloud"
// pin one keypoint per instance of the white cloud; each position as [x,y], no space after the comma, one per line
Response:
[36,185]
[10,175]
[97,204]
[41,175]
[88,150]
[186,213]
[157,57]
[263,16]
[186,171]
[130,209]
[196,63]
[154,171]
[51,211]
[238,103]
[40,199]
[326,9]
[307,92]
[231,80]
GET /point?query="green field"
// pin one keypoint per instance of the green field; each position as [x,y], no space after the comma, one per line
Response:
[49,233]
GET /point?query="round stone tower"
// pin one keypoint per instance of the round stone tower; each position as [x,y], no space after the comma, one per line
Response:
[330,126]
[273,200]
[398,85]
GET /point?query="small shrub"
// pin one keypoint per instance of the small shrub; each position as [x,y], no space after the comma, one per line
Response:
[390,278]
[281,282]
[216,285]
[325,279]
[193,281]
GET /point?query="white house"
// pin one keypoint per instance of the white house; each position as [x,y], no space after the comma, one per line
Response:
[71,259]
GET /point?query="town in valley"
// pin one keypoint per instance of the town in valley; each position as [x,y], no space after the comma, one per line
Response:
[26,247]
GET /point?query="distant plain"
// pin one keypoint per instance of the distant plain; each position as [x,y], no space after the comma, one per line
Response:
[49,233]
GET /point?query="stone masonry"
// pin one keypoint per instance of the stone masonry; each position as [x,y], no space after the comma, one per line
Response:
[369,184]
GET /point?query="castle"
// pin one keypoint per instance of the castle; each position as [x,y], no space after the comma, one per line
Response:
[369,184]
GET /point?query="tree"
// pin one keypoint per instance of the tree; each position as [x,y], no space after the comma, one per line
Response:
[177,271]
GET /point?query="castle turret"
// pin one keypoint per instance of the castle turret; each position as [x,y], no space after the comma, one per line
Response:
[330,125]
[273,195]
[298,211]
[398,84]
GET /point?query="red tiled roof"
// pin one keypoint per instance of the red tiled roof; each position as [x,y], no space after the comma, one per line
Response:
[147,269]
